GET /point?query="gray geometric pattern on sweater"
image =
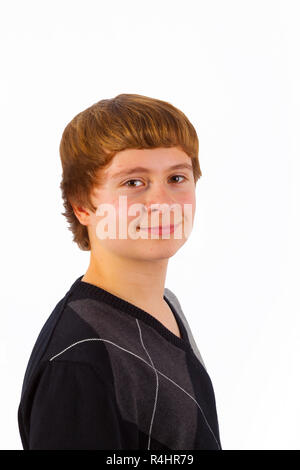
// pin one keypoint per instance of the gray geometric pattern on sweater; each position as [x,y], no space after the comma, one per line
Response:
[149,392]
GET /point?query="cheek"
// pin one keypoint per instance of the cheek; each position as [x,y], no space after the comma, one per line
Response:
[188,198]
[106,205]
[190,193]
[187,201]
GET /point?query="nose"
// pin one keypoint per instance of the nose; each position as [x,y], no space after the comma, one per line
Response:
[158,199]
[157,196]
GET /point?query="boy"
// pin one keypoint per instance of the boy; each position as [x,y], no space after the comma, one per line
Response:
[115,365]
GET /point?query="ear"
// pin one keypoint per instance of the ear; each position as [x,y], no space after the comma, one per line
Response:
[82,214]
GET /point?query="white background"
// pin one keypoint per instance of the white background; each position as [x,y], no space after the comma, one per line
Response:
[233,68]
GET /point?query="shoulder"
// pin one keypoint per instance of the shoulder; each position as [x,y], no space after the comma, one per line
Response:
[65,337]
[173,299]
[175,302]
[171,296]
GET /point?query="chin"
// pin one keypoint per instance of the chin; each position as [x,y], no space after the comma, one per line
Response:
[159,251]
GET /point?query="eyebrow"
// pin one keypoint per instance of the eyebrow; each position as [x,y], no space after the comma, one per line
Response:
[140,169]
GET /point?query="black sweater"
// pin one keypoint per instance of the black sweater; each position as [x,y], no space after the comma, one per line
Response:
[105,374]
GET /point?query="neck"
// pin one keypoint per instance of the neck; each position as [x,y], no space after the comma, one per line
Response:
[138,281]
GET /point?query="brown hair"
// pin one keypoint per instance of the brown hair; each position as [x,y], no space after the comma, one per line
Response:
[95,135]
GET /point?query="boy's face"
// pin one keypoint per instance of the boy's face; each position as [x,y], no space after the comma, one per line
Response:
[152,194]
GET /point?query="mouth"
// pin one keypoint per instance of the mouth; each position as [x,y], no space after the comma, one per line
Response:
[160,229]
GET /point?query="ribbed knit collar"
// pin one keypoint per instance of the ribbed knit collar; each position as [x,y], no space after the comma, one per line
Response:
[98,293]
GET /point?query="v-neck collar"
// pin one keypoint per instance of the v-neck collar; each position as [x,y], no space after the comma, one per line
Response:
[98,293]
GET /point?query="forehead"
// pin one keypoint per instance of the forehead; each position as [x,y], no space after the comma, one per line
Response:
[158,159]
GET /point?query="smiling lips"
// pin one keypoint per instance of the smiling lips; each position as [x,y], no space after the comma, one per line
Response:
[161,229]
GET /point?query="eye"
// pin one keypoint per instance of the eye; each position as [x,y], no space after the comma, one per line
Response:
[127,183]
[179,176]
